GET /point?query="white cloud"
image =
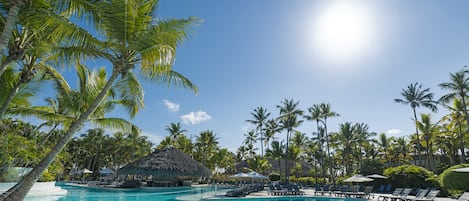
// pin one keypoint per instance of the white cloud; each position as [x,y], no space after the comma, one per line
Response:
[196,117]
[394,132]
[153,137]
[172,107]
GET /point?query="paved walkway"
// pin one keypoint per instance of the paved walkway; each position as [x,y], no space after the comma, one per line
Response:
[309,192]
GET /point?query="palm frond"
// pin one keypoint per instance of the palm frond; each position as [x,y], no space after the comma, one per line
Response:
[131,93]
[117,124]
[171,78]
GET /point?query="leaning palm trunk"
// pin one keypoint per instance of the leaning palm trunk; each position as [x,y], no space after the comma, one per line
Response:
[9,99]
[15,6]
[19,191]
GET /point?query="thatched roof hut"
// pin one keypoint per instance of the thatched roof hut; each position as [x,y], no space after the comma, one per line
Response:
[166,164]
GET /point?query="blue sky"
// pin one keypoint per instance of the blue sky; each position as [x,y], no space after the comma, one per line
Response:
[355,55]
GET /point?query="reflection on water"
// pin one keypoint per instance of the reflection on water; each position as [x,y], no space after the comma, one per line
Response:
[76,193]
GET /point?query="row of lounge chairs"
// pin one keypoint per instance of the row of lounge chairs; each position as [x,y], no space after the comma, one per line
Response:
[290,189]
[346,191]
[244,190]
[402,194]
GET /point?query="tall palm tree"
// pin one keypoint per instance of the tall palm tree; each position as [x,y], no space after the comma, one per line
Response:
[326,112]
[428,130]
[9,23]
[315,114]
[277,152]
[288,120]
[459,88]
[206,144]
[416,96]
[40,32]
[251,139]
[345,139]
[132,39]
[175,130]
[260,116]
[384,144]
[456,119]
[270,130]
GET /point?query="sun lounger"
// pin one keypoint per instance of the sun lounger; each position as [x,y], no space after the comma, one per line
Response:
[325,189]
[297,190]
[402,196]
[429,197]
[464,197]
[396,192]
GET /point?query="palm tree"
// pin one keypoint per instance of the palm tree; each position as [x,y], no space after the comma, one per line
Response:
[428,130]
[459,88]
[270,130]
[251,138]
[206,145]
[260,116]
[345,140]
[384,144]
[39,35]
[175,131]
[455,119]
[288,120]
[277,152]
[326,112]
[416,96]
[315,114]
[9,24]
[132,39]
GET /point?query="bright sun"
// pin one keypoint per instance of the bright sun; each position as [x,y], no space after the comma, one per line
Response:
[344,31]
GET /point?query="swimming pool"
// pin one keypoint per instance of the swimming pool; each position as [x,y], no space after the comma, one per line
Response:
[74,193]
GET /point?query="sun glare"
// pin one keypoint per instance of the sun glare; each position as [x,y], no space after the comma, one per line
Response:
[343,31]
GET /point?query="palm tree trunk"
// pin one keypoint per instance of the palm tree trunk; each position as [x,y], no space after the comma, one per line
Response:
[418,138]
[262,143]
[461,144]
[19,191]
[9,99]
[5,37]
[287,168]
[463,155]
[328,150]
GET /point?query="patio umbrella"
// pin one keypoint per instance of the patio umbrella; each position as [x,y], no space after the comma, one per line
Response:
[106,171]
[240,175]
[83,171]
[466,169]
[358,179]
[256,175]
[376,176]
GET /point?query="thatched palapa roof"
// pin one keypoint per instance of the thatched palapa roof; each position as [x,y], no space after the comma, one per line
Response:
[165,163]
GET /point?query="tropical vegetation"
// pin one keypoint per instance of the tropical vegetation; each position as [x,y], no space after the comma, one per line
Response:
[71,129]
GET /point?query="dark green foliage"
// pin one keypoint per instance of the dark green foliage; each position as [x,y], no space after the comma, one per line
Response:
[411,176]
[455,182]
[371,166]
[274,176]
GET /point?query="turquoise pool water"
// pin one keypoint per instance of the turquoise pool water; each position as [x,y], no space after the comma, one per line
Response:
[74,193]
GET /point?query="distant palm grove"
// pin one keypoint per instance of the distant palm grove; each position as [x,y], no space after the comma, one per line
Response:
[42,40]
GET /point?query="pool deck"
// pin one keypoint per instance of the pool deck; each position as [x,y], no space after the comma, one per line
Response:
[308,192]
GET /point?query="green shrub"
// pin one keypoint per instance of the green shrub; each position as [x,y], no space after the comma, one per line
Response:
[274,176]
[411,176]
[455,182]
